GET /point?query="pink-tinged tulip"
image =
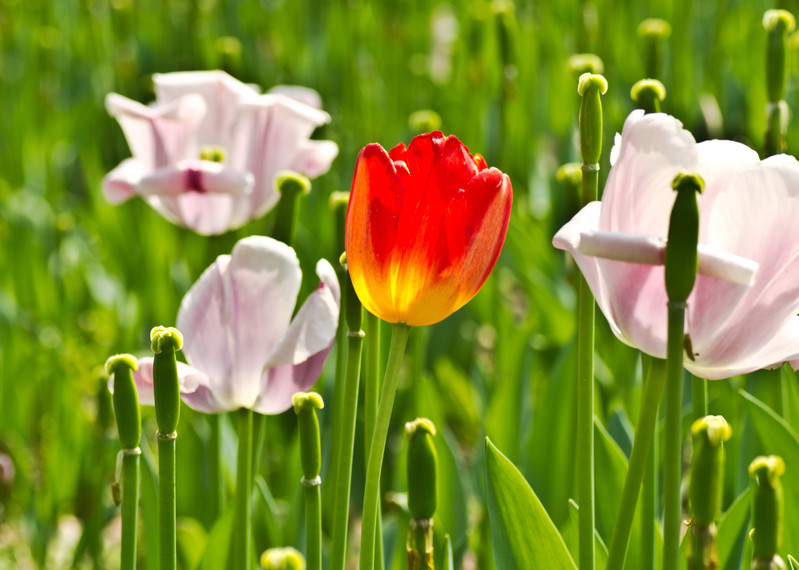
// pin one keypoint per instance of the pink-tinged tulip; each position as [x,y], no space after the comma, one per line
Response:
[741,315]
[242,347]
[207,152]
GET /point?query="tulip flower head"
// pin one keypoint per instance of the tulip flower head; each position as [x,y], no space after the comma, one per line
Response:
[206,153]
[741,315]
[242,347]
[425,225]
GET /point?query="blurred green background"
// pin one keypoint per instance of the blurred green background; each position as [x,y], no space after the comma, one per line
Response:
[81,279]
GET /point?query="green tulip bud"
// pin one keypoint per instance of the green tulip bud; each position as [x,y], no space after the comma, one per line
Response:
[581,63]
[352,305]
[778,24]
[165,341]
[424,121]
[290,185]
[648,94]
[654,32]
[765,474]
[681,255]
[282,559]
[126,400]
[305,406]
[591,87]
[422,468]
[707,468]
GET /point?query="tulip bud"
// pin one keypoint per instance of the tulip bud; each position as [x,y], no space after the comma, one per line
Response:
[681,254]
[282,559]
[581,63]
[654,32]
[590,87]
[424,121]
[338,204]
[165,341]
[126,400]
[422,468]
[291,186]
[778,24]
[707,482]
[766,533]
[648,94]
[305,406]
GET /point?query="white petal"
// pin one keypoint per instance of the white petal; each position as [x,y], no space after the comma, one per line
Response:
[121,183]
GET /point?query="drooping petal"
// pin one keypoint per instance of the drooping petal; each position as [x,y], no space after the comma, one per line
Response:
[193,387]
[313,329]
[236,313]
[158,135]
[121,184]
[304,95]
[280,383]
[313,158]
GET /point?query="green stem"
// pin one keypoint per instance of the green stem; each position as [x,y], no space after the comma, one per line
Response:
[649,493]
[642,445]
[313,526]
[585,398]
[166,513]
[331,480]
[216,478]
[346,437]
[698,397]
[672,451]
[371,395]
[241,543]
[374,465]
[130,510]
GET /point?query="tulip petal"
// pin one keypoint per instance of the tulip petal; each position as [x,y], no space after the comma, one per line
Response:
[121,184]
[222,94]
[313,329]
[304,95]
[160,134]
[314,158]
[280,383]
[194,389]
[236,313]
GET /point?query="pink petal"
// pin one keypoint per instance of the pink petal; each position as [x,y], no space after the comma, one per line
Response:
[161,134]
[280,383]
[120,184]
[236,313]
[314,157]
[222,94]
[193,387]
[313,329]
[304,95]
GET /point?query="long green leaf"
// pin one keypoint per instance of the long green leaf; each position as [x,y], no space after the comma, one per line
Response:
[522,533]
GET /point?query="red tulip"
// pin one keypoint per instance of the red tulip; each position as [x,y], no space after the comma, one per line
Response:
[425,225]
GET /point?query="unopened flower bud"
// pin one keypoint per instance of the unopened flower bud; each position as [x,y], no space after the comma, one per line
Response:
[126,400]
[591,87]
[765,474]
[282,559]
[290,185]
[681,253]
[305,406]
[581,63]
[648,94]
[654,32]
[707,468]
[424,121]
[165,341]
[778,24]
[422,468]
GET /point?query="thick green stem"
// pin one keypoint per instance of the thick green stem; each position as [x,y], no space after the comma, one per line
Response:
[672,451]
[698,397]
[374,465]
[642,446]
[130,510]
[166,490]
[371,396]
[649,494]
[346,443]
[585,398]
[242,541]
[313,526]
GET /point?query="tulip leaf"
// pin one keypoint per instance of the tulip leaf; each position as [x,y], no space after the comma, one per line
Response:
[570,533]
[522,533]
[449,562]
[793,563]
[778,438]
[732,532]
[218,545]
[191,542]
